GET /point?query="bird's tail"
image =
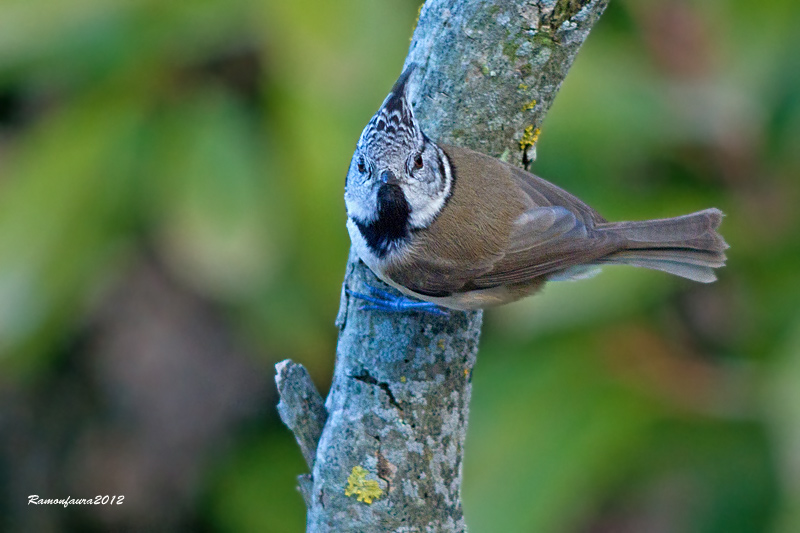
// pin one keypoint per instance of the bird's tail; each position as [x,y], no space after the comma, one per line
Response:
[687,246]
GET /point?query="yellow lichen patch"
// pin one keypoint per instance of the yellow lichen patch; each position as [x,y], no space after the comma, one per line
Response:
[416,22]
[529,137]
[402,379]
[522,87]
[530,105]
[365,490]
[466,372]
[440,344]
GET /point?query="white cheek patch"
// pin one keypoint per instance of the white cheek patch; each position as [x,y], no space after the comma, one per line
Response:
[363,208]
[359,244]
[423,215]
[363,251]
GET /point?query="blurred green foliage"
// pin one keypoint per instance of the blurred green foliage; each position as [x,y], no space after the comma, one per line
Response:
[214,136]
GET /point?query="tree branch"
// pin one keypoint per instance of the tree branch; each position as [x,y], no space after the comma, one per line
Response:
[301,407]
[390,455]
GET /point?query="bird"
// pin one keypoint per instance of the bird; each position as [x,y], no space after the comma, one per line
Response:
[453,228]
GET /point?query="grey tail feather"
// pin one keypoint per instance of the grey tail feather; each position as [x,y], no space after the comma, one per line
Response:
[687,246]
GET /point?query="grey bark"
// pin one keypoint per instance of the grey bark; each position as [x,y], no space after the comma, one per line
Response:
[398,406]
[301,407]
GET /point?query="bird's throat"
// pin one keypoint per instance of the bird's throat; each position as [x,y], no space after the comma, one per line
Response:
[391,227]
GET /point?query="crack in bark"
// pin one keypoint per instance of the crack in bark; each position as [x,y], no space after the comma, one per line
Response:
[384,469]
[367,378]
[526,161]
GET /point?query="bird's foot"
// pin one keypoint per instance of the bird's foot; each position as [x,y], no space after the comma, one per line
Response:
[384,301]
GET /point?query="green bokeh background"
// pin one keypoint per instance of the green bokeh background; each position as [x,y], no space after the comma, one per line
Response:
[171,179]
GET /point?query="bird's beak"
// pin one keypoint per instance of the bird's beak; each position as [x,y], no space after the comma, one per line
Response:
[388,177]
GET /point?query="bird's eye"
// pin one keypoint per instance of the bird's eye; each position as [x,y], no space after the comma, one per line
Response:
[361,165]
[418,162]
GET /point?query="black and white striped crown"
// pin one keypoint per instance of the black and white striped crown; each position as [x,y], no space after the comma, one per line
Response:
[393,131]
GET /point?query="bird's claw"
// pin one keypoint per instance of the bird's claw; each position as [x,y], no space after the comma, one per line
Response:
[384,301]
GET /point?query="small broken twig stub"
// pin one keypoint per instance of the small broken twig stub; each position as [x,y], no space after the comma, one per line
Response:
[301,406]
